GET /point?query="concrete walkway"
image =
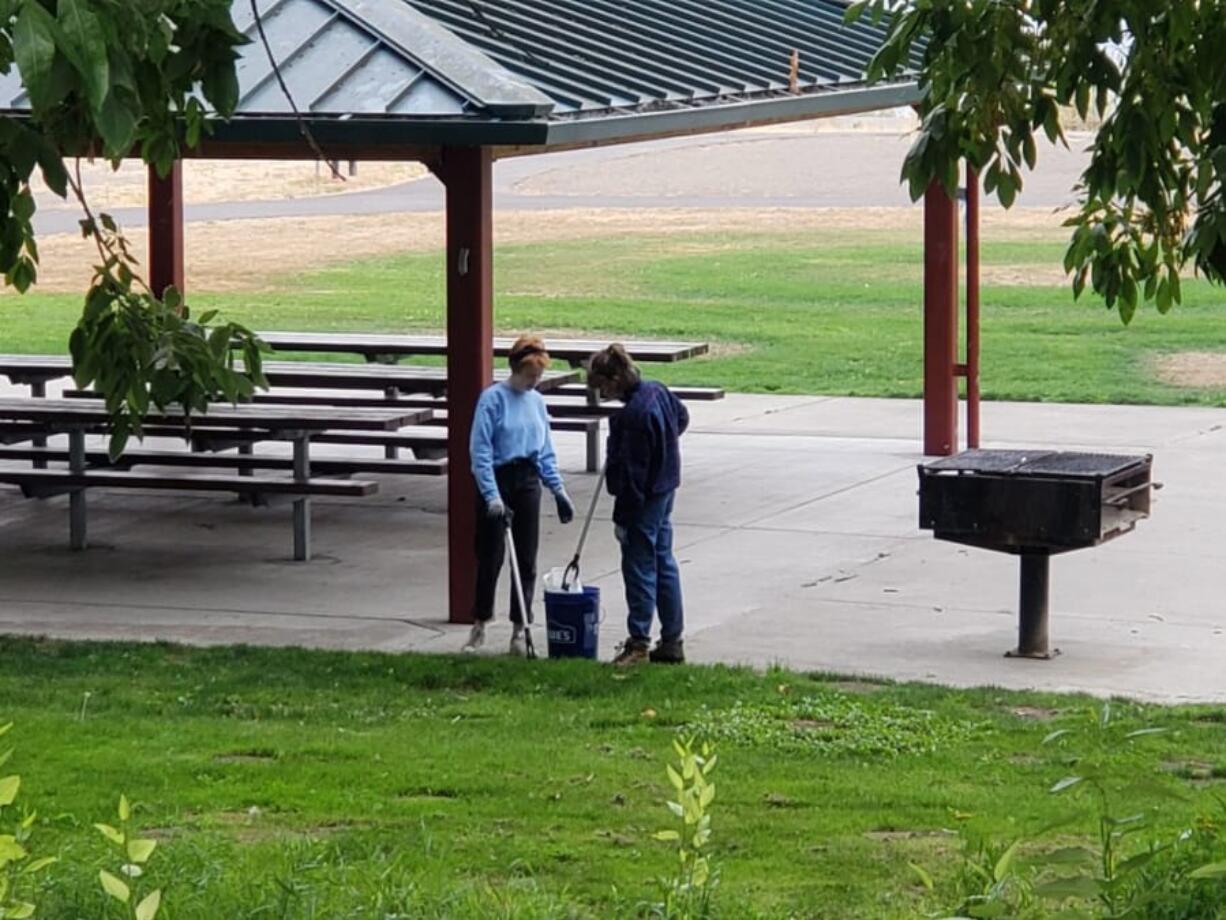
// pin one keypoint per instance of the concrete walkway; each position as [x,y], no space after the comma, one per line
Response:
[797,534]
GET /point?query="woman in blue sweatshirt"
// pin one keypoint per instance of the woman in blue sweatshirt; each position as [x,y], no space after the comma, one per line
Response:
[512,454]
[644,471]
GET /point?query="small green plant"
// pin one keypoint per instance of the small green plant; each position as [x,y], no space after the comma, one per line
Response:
[993,881]
[18,867]
[134,852]
[688,894]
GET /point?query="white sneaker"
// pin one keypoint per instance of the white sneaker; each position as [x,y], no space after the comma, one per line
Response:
[519,646]
[476,637]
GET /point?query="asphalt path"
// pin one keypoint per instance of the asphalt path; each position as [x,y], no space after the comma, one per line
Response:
[747,169]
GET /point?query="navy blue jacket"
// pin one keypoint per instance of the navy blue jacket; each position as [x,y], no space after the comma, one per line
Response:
[644,457]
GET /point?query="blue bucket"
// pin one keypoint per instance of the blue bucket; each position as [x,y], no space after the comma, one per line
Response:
[572,623]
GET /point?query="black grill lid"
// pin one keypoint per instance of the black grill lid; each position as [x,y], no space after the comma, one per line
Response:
[1037,463]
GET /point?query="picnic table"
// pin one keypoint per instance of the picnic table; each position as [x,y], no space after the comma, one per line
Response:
[37,370]
[387,349]
[378,347]
[296,424]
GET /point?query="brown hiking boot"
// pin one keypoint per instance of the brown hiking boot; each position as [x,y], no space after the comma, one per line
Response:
[668,651]
[633,651]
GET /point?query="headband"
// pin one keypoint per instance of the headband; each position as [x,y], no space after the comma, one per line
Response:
[527,351]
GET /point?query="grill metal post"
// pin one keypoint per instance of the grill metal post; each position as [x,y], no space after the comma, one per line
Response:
[77,538]
[302,506]
[1033,607]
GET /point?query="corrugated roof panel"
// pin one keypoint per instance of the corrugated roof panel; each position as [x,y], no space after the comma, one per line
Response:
[424,97]
[535,68]
[652,52]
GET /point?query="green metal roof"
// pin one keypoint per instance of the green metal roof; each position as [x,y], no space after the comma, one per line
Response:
[389,75]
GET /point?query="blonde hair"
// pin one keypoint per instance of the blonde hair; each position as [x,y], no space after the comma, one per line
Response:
[529,351]
[612,365]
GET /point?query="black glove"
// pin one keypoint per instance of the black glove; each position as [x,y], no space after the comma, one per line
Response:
[566,509]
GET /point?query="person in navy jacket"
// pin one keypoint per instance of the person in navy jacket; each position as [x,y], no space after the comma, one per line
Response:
[512,454]
[644,471]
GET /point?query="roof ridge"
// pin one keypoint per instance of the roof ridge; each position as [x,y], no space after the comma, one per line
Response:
[446,57]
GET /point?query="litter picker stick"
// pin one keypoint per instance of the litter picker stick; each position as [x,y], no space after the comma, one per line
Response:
[513,561]
[572,569]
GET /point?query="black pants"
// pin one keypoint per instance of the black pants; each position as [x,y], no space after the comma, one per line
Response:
[519,485]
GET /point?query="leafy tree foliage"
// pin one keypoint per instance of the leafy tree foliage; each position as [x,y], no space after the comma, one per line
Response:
[994,74]
[114,79]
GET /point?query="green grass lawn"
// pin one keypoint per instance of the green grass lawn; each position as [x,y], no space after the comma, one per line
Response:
[830,312]
[290,783]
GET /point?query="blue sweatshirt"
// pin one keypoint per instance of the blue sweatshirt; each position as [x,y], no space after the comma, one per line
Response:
[511,425]
[644,456]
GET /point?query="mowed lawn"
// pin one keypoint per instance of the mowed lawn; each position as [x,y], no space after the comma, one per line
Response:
[832,312]
[291,783]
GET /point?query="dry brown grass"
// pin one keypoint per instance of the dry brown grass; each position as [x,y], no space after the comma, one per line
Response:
[249,254]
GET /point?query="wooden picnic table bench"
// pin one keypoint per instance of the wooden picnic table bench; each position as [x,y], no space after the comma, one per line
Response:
[37,370]
[296,424]
[389,347]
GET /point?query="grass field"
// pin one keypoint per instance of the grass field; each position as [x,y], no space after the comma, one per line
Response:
[831,312]
[288,783]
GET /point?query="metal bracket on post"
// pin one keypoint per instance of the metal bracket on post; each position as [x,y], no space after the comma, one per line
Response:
[302,505]
[76,499]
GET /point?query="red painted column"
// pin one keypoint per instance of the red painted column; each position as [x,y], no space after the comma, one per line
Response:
[467,173]
[940,322]
[166,229]
[972,307]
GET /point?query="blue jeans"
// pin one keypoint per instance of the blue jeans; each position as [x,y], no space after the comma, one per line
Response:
[649,570]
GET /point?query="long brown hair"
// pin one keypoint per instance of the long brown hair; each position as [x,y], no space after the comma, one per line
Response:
[612,365]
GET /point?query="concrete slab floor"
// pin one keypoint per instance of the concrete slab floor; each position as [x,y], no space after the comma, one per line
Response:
[796,533]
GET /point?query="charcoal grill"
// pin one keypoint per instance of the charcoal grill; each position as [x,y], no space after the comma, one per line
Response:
[1033,503]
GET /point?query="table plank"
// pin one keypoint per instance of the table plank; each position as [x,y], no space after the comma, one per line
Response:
[407,378]
[273,418]
[375,344]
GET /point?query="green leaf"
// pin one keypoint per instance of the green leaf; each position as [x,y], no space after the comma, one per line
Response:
[10,850]
[1061,889]
[923,875]
[113,886]
[8,789]
[1006,860]
[110,833]
[38,865]
[139,851]
[85,46]
[666,835]
[1067,783]
[125,810]
[675,778]
[854,11]
[148,908]
[1211,870]
[21,910]
[34,46]
[117,125]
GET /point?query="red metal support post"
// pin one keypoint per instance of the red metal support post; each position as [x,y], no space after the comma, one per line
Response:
[972,308]
[940,322]
[467,173]
[166,257]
